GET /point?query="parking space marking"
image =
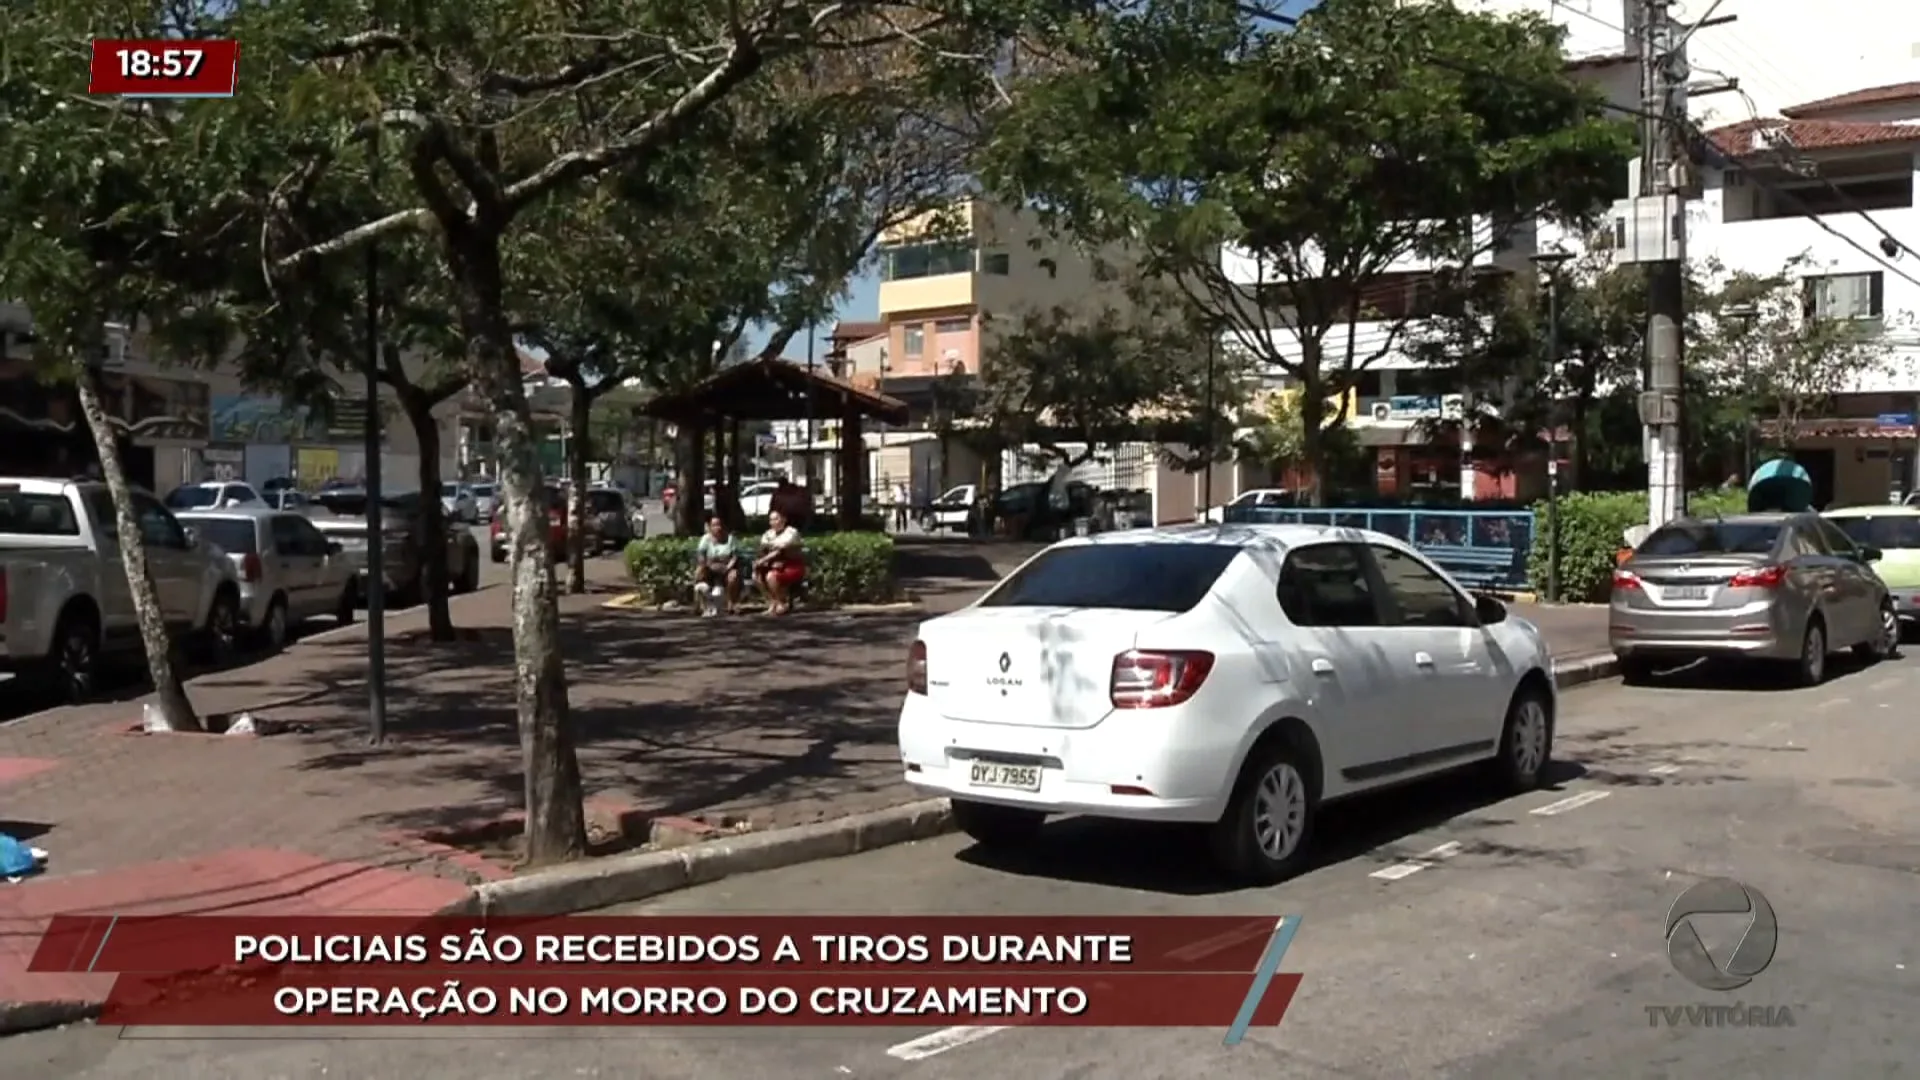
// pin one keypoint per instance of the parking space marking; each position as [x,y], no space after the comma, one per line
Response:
[1664,770]
[1887,683]
[1571,802]
[1418,863]
[1834,703]
[939,1042]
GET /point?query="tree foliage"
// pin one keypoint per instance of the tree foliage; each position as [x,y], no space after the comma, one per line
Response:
[1374,135]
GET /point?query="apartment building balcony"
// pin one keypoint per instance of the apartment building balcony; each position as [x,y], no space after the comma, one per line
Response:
[1505,246]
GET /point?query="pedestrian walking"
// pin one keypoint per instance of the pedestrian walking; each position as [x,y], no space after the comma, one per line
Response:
[902,503]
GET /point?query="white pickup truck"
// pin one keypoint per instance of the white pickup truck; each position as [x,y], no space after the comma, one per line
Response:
[64,601]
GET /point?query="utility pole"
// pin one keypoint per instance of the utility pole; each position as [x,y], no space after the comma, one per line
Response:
[1664,172]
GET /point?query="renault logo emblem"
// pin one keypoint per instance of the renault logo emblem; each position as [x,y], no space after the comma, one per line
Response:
[1006,662]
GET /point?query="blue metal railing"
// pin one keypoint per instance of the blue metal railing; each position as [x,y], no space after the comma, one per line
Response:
[1483,548]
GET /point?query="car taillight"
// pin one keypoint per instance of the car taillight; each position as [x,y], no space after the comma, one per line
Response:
[1766,577]
[1155,679]
[1625,580]
[250,568]
[917,668]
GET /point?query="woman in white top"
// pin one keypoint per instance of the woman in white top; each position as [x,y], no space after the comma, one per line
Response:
[779,566]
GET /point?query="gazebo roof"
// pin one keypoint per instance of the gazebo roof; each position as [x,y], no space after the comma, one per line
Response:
[773,390]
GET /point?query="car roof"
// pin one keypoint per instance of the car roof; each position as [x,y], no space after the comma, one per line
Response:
[1277,537]
[1874,511]
[1755,518]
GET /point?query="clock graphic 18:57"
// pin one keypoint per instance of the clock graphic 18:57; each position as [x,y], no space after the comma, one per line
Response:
[164,68]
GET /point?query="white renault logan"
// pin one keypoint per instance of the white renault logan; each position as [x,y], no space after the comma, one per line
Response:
[1240,676]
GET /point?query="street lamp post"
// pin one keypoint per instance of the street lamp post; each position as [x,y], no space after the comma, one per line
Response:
[1744,315]
[1549,263]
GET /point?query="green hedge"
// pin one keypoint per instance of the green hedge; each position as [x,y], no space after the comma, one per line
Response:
[842,568]
[1591,524]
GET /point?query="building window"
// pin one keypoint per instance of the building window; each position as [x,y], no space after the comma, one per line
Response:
[928,259]
[996,262]
[953,326]
[913,342]
[1845,296]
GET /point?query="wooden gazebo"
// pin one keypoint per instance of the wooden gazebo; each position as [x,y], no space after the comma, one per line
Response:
[776,390]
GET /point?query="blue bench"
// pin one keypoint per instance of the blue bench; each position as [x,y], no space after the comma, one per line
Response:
[1473,566]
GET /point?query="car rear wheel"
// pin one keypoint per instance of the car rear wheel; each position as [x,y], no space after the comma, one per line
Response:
[1886,643]
[276,630]
[1263,838]
[1811,668]
[996,826]
[349,600]
[76,660]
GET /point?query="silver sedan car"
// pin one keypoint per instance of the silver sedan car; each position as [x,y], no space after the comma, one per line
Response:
[1790,588]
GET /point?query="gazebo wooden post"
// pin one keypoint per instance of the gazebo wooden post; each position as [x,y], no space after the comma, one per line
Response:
[853,468]
[692,497]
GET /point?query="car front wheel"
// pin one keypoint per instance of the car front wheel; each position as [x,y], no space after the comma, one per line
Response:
[1526,740]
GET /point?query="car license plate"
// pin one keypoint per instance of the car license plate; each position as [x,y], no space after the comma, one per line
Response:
[1685,592]
[996,774]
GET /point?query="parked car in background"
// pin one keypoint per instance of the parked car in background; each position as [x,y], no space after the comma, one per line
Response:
[954,510]
[212,494]
[459,503]
[610,514]
[64,601]
[556,500]
[486,500]
[287,499]
[1784,588]
[1274,497]
[289,571]
[1895,531]
[341,515]
[756,499]
[1240,678]
[1027,511]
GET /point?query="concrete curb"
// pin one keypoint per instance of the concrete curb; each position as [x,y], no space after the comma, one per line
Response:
[1581,670]
[20,1017]
[622,879]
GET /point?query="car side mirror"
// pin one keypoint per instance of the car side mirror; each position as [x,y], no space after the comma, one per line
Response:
[1871,554]
[1488,610]
[193,538]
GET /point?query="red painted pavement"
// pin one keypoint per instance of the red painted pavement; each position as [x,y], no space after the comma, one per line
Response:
[14,769]
[260,881]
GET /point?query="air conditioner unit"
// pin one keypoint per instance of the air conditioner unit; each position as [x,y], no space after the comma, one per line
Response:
[1382,412]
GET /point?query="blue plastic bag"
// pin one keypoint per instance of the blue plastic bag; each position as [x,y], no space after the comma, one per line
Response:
[16,858]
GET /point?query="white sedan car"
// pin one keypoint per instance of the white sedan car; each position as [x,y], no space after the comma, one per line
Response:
[1240,676]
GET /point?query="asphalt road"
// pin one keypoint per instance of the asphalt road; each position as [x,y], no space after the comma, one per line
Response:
[1530,943]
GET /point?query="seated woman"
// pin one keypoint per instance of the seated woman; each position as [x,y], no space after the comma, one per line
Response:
[779,567]
[716,567]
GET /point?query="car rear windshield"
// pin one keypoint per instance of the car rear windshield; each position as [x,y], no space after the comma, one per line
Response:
[227,534]
[1890,533]
[37,515]
[1125,577]
[605,502]
[189,498]
[1714,538]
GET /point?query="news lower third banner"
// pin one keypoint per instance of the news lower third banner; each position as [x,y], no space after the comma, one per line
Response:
[692,971]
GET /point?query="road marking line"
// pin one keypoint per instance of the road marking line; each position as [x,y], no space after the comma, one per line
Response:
[1834,703]
[939,1042]
[1886,684]
[1418,863]
[1664,770]
[1571,802]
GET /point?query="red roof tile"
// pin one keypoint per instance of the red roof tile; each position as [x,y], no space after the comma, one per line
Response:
[1736,140]
[1873,95]
[857,331]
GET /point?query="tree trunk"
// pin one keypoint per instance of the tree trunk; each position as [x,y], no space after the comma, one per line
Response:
[691,509]
[169,694]
[556,828]
[580,405]
[433,525]
[1313,412]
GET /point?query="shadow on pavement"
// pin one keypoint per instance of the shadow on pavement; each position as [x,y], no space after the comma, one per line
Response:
[1711,674]
[1173,859]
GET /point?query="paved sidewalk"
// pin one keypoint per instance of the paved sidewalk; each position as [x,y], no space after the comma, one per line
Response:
[767,722]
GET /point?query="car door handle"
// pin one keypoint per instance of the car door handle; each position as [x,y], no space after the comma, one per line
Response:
[1322,666]
[1423,659]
